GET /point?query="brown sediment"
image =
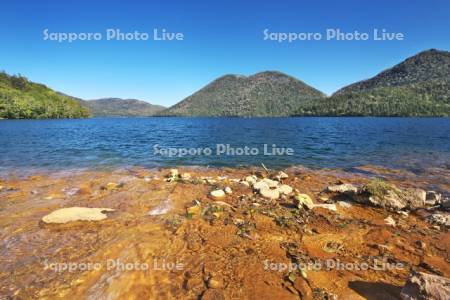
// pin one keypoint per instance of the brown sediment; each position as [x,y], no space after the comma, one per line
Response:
[221,250]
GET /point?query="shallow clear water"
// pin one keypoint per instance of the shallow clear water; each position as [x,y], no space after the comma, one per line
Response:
[410,143]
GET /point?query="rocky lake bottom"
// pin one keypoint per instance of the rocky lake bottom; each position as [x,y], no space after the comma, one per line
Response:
[225,233]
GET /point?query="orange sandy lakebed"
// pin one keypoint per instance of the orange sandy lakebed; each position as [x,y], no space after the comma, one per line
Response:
[166,236]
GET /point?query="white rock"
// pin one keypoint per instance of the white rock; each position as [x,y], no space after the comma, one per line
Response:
[173,173]
[271,183]
[228,190]
[217,193]
[303,200]
[285,189]
[160,209]
[69,214]
[389,221]
[403,213]
[251,179]
[270,194]
[260,185]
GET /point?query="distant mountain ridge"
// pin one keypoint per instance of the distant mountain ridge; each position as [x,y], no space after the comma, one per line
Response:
[418,86]
[268,93]
[121,107]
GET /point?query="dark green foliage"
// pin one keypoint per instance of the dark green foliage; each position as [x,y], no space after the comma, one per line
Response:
[23,99]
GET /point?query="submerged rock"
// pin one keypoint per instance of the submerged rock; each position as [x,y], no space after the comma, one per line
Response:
[390,221]
[215,282]
[426,286]
[194,210]
[303,288]
[70,214]
[111,186]
[213,294]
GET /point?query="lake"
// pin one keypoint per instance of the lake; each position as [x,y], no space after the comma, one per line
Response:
[408,143]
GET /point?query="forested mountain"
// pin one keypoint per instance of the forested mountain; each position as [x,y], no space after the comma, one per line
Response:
[418,86]
[263,94]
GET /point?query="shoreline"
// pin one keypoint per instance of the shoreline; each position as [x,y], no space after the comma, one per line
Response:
[243,243]
[243,117]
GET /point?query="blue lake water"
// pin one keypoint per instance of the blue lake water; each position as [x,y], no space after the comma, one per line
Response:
[410,143]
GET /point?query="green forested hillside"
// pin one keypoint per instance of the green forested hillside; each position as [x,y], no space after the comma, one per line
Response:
[23,99]
[424,99]
[418,86]
[267,93]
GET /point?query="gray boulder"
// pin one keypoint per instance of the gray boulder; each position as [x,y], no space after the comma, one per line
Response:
[414,198]
[345,188]
[382,194]
[433,198]
[422,286]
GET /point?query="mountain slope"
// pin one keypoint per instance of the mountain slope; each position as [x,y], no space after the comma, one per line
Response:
[121,107]
[430,65]
[418,86]
[23,99]
[263,94]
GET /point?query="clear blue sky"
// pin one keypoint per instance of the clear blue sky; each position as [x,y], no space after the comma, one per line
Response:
[219,38]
